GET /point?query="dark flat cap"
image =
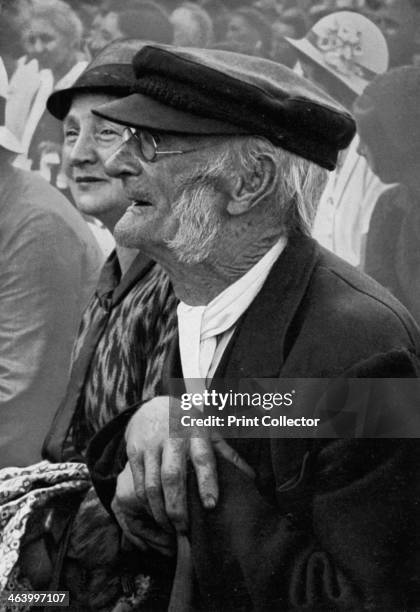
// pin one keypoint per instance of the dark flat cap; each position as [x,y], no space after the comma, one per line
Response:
[203,91]
[111,71]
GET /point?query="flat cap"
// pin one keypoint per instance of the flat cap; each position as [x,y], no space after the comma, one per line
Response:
[111,71]
[207,91]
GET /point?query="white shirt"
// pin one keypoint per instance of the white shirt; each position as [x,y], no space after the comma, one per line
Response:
[346,206]
[205,331]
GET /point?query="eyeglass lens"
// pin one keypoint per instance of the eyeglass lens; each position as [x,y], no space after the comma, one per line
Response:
[147,144]
[144,140]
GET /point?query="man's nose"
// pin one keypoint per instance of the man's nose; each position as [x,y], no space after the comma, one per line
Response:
[124,161]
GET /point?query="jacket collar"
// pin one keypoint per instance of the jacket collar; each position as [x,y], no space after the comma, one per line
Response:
[111,286]
[257,347]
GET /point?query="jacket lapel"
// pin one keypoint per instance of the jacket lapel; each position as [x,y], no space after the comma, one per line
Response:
[139,268]
[257,348]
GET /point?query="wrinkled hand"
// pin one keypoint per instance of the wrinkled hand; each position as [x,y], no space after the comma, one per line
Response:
[137,525]
[159,464]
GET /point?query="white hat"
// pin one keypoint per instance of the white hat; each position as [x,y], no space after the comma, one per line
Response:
[349,46]
[7,139]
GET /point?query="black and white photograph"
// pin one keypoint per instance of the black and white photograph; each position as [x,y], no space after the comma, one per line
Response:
[210,305]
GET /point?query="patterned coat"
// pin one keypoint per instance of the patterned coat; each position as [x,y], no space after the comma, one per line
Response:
[122,344]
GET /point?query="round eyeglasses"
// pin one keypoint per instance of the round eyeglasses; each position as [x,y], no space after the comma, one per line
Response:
[147,147]
[147,144]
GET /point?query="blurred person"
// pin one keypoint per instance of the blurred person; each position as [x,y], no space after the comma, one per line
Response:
[298,15]
[218,13]
[341,54]
[271,9]
[87,10]
[322,9]
[13,15]
[248,32]
[193,26]
[388,120]
[142,20]
[49,268]
[103,30]
[399,21]
[52,37]
[281,51]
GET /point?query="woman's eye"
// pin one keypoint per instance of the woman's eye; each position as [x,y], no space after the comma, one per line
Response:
[109,135]
[70,135]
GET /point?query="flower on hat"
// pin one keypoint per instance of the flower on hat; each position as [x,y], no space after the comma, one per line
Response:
[341,48]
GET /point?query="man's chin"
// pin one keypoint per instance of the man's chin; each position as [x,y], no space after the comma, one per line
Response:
[124,235]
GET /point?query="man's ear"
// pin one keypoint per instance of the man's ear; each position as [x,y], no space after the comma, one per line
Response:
[250,188]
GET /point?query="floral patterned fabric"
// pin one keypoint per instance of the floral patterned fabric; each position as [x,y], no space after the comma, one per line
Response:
[24,492]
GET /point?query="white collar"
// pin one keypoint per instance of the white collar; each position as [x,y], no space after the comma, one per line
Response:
[196,324]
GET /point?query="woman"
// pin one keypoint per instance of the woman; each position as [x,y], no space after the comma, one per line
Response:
[120,370]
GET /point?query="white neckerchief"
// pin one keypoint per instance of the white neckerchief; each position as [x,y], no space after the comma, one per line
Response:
[200,326]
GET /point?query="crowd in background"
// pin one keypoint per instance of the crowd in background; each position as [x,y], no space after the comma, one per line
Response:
[62,37]
[61,34]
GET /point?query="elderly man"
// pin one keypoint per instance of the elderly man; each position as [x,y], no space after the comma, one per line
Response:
[224,163]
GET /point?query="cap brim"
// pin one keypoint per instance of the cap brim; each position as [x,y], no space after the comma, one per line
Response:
[59,102]
[9,141]
[138,110]
[355,83]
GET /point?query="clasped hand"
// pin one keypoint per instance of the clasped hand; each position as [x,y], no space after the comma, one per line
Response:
[150,502]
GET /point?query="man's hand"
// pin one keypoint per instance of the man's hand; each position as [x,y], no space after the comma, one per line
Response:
[159,464]
[137,525]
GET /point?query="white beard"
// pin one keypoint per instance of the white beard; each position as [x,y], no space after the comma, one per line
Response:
[199,224]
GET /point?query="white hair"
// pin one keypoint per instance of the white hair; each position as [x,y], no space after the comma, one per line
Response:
[299,182]
[199,222]
[61,16]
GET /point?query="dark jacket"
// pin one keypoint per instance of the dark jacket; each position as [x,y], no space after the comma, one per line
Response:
[328,524]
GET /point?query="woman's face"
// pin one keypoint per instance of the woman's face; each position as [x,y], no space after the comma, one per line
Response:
[88,142]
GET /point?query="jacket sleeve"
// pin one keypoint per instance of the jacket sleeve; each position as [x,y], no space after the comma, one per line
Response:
[106,456]
[41,288]
[352,547]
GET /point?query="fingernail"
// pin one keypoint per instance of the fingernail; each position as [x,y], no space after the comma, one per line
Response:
[210,502]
